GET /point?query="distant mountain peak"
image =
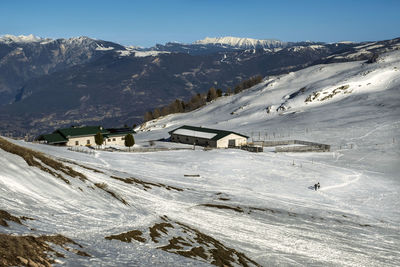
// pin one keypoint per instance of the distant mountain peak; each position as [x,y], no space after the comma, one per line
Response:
[242,42]
[9,38]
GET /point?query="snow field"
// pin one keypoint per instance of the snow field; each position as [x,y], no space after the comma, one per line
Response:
[291,230]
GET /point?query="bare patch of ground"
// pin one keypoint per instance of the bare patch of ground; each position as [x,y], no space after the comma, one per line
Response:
[218,206]
[157,228]
[5,216]
[34,251]
[104,187]
[181,239]
[145,185]
[41,161]
[328,95]
[128,236]
[82,166]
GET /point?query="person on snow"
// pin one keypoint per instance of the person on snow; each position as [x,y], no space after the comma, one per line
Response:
[318,185]
[315,187]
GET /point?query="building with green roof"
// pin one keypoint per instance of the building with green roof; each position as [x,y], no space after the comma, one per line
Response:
[84,136]
[207,137]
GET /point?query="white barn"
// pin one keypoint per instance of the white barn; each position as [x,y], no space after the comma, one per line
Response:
[207,137]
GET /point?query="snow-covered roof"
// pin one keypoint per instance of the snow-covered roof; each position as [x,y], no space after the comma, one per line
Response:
[201,132]
[195,133]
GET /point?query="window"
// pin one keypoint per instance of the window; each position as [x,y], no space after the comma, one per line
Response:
[122,138]
[77,143]
[88,142]
[113,139]
[109,140]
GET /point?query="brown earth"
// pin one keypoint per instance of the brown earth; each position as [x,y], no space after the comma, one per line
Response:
[145,185]
[41,161]
[5,216]
[33,251]
[188,242]
[104,187]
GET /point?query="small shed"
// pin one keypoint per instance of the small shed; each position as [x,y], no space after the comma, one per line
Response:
[207,137]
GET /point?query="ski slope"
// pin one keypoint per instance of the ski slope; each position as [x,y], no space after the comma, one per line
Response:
[260,204]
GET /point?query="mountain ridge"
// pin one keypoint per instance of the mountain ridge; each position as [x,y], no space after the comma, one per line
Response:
[245,43]
[87,81]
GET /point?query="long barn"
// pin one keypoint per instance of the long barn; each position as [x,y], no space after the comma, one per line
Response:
[207,137]
[85,136]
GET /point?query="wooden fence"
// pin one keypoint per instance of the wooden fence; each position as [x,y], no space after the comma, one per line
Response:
[305,146]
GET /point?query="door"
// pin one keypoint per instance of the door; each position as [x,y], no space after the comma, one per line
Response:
[231,143]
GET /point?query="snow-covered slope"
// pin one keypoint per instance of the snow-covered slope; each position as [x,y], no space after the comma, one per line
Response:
[259,204]
[244,43]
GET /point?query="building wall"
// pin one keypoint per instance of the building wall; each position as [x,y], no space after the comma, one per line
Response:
[221,143]
[193,140]
[224,142]
[115,140]
[82,141]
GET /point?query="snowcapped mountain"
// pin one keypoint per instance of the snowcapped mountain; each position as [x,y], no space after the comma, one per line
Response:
[8,38]
[45,84]
[241,208]
[243,43]
[23,58]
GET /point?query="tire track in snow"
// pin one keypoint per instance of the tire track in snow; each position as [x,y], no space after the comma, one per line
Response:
[348,182]
[97,156]
[380,127]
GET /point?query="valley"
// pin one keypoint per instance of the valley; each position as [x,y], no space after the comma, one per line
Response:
[53,83]
[228,206]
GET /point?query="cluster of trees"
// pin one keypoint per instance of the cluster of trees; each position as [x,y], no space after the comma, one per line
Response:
[198,100]
[246,84]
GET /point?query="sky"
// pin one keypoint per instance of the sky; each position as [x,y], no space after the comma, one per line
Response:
[148,22]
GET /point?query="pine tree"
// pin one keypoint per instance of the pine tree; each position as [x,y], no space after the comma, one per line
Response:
[195,102]
[156,113]
[148,116]
[183,106]
[212,94]
[165,111]
[98,139]
[219,92]
[129,141]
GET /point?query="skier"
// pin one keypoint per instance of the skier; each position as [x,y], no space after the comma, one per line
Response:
[318,185]
[315,187]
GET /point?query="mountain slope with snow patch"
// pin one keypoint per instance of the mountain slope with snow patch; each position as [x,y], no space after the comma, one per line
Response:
[261,205]
[244,43]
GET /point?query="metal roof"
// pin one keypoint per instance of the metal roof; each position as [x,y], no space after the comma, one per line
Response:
[81,131]
[54,138]
[218,133]
[62,135]
[118,132]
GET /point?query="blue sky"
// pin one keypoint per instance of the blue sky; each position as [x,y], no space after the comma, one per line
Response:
[148,22]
